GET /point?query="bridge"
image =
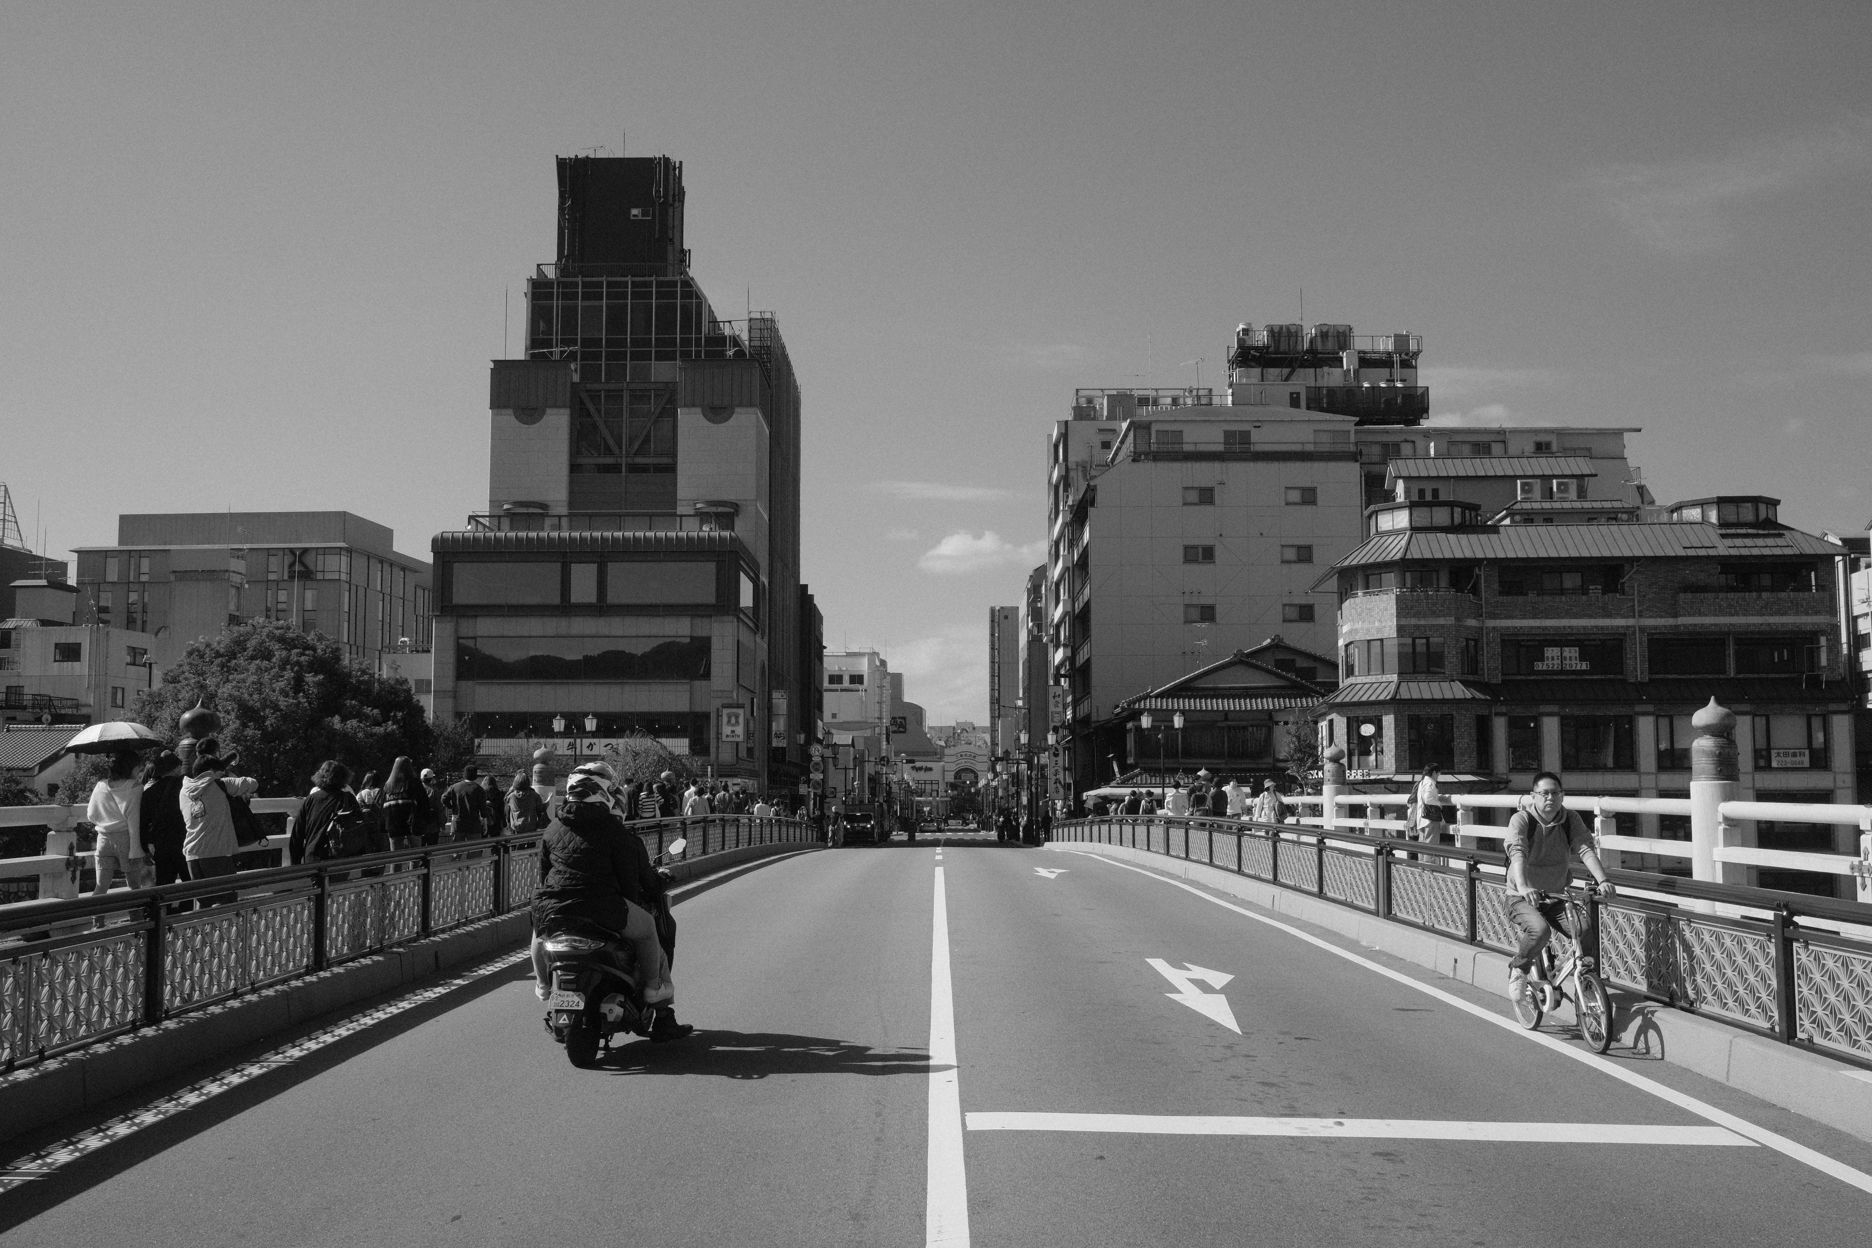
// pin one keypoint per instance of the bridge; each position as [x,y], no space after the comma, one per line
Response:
[1150,1030]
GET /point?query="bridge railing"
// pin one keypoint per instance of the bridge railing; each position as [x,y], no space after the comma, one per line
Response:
[73,972]
[1785,965]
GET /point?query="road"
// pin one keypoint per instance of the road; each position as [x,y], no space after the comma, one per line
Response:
[1135,1061]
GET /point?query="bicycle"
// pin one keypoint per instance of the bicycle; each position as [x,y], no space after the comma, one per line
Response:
[1546,982]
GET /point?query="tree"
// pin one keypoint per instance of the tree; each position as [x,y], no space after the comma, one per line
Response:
[642,757]
[20,842]
[288,701]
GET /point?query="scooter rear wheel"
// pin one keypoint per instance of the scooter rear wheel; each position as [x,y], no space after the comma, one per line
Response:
[581,1044]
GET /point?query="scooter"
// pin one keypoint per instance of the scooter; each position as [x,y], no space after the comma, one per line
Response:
[597,991]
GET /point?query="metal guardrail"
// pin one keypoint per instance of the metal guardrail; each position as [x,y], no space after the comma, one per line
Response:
[1770,975]
[74,972]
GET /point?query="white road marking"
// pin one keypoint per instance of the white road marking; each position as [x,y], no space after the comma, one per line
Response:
[1702,1109]
[54,1157]
[1209,1004]
[1050,874]
[946,1212]
[1365,1128]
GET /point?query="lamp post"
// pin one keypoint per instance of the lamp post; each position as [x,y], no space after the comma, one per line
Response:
[1144,722]
[1176,721]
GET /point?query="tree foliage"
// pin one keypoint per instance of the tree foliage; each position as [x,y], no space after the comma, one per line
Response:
[288,701]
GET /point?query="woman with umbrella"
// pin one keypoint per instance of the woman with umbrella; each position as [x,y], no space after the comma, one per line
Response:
[114,810]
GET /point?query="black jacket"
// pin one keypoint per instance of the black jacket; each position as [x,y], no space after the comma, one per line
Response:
[590,865]
[314,812]
[163,828]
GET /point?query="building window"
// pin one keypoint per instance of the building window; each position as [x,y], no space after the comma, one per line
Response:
[505,584]
[1296,613]
[1471,657]
[1603,656]
[1199,554]
[584,583]
[68,652]
[1485,743]
[1199,496]
[855,678]
[1296,554]
[1302,496]
[1524,748]
[117,697]
[1364,742]
[1768,578]
[104,607]
[113,567]
[1790,742]
[1776,656]
[1237,439]
[1166,439]
[1420,656]
[1596,743]
[1674,735]
[1527,582]
[835,678]
[1706,655]
[1199,613]
[1430,739]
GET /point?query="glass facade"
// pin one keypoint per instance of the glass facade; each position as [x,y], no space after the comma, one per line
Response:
[583,658]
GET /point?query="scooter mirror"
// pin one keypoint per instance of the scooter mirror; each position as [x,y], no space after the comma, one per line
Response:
[675,848]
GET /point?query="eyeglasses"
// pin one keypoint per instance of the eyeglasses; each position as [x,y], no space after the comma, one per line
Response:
[1548,792]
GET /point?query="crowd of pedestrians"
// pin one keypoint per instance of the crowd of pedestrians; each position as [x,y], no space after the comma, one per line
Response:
[1205,797]
[183,814]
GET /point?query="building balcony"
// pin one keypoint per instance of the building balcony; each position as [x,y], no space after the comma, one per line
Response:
[1742,604]
[602,522]
[1386,607]
[1206,451]
[1588,604]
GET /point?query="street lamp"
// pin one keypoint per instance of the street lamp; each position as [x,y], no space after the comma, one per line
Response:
[558,725]
[591,724]
[1144,722]
[1176,721]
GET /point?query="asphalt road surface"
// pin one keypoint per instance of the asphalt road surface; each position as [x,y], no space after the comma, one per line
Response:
[957,1043]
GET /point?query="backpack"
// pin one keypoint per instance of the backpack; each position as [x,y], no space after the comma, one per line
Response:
[247,829]
[342,835]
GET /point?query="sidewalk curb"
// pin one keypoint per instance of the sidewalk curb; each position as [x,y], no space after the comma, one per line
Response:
[39,1095]
[1834,1093]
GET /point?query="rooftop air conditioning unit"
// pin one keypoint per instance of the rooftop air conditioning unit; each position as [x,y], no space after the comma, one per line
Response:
[1527,490]
[1565,488]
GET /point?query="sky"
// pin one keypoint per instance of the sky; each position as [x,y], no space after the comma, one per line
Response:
[258,256]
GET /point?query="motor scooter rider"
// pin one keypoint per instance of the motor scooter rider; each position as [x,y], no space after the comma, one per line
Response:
[594,873]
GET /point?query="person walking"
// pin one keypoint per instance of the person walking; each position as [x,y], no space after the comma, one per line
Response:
[1267,805]
[210,841]
[161,825]
[464,807]
[318,830]
[1427,807]
[526,813]
[433,817]
[405,806]
[115,811]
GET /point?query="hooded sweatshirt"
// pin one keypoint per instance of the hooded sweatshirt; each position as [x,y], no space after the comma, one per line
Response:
[205,814]
[1545,848]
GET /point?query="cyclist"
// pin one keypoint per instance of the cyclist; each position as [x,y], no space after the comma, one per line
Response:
[1541,837]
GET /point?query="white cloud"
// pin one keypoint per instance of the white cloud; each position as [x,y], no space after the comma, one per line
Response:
[946,673]
[964,552]
[939,491]
[1681,207]
[1487,416]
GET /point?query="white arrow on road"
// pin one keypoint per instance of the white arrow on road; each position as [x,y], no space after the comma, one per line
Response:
[1051,873]
[1209,1004]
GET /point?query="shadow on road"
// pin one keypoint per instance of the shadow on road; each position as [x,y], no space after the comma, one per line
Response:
[758,1054]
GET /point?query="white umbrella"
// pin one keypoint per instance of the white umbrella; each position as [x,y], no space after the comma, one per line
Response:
[108,738]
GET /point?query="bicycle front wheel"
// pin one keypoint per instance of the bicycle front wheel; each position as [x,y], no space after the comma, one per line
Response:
[1594,1010]
[1527,1004]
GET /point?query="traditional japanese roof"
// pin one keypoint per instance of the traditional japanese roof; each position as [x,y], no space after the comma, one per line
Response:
[1449,466]
[30,749]
[1246,680]
[502,542]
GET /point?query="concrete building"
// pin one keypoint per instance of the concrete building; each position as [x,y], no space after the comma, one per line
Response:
[638,564]
[1186,525]
[1506,649]
[55,671]
[1004,665]
[185,576]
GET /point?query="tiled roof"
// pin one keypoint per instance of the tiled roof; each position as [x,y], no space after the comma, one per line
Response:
[1406,689]
[488,541]
[1492,466]
[1220,700]
[1585,541]
[27,749]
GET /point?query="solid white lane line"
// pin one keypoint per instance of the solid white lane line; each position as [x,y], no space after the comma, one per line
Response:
[1364,1128]
[1741,1126]
[946,1213]
[54,1157]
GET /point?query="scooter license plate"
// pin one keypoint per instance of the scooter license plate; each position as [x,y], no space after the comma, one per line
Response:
[563,1000]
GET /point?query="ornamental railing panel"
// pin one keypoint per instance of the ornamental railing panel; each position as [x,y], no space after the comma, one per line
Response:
[1833,995]
[1349,878]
